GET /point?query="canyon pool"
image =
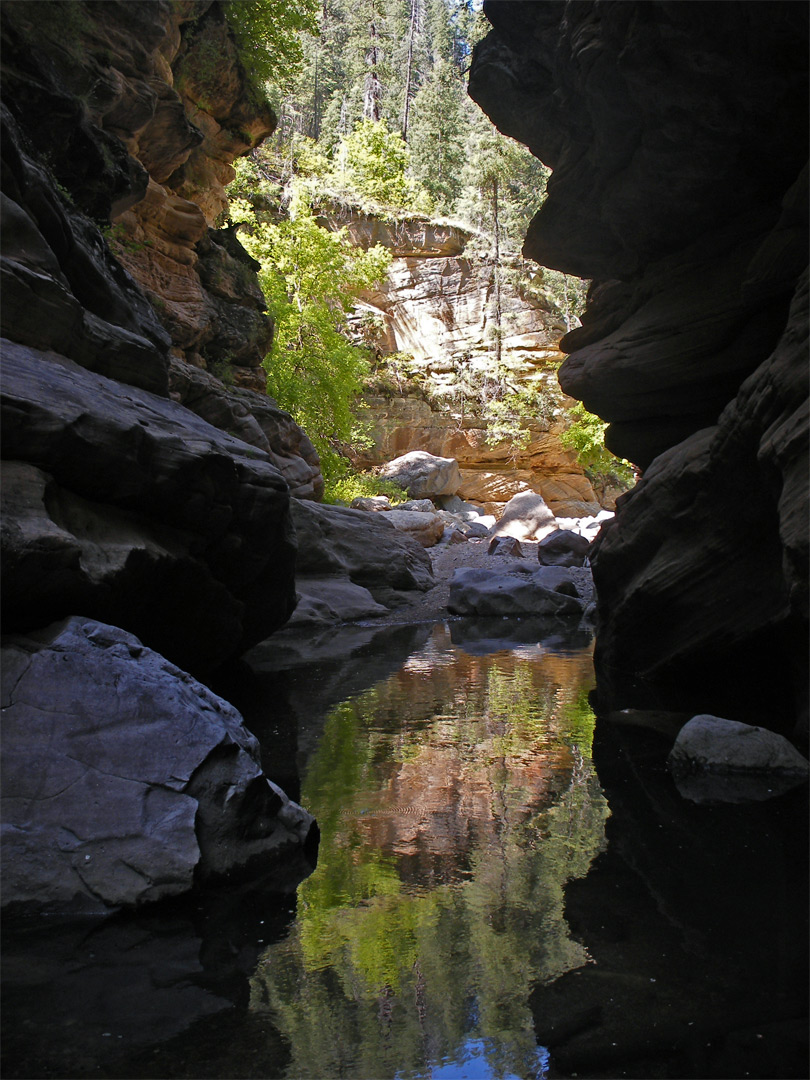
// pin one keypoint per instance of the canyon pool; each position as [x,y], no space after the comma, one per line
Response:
[451,774]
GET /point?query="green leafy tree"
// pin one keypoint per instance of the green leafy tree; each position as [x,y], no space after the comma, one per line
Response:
[268,33]
[373,162]
[310,277]
[586,438]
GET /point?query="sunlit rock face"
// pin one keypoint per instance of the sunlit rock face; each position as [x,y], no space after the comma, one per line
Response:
[436,305]
[678,138]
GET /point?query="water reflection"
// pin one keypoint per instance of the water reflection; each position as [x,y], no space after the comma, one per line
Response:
[455,799]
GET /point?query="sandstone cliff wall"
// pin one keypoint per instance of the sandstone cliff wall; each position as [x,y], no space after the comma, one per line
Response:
[437,306]
[677,135]
[146,530]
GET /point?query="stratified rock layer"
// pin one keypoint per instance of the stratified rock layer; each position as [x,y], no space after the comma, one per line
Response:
[119,502]
[694,342]
[436,306]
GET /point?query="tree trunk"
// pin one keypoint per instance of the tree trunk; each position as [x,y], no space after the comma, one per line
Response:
[406,110]
[497,281]
[372,97]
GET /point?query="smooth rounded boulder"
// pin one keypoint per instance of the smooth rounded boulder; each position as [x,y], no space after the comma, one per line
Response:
[719,760]
[525,517]
[424,475]
[490,592]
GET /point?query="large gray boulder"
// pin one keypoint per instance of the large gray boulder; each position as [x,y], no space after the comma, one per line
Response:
[719,760]
[124,779]
[330,600]
[133,510]
[490,592]
[563,548]
[425,527]
[424,475]
[526,516]
[366,548]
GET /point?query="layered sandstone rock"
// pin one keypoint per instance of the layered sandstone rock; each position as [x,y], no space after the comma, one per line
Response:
[158,106]
[436,305]
[647,114]
[93,517]
[490,475]
[127,507]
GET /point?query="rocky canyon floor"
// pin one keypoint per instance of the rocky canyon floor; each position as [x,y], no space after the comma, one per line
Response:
[446,558]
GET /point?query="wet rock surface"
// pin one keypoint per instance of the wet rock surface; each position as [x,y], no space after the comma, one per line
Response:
[488,592]
[717,760]
[144,783]
[360,545]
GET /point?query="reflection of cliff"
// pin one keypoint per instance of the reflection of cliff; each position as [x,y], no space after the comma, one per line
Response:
[455,799]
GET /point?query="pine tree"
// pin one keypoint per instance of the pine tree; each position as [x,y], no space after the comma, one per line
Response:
[437,135]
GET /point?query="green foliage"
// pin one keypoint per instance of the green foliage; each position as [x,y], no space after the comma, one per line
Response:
[372,161]
[586,438]
[310,278]
[508,416]
[569,293]
[268,34]
[503,184]
[343,489]
[437,135]
[222,370]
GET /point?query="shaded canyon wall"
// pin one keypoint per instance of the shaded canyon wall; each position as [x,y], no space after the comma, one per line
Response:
[139,489]
[677,135]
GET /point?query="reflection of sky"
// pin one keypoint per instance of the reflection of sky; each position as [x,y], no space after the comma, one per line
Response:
[471,1062]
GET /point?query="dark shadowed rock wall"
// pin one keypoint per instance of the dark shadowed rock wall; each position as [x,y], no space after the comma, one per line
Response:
[146,522]
[678,138]
[138,488]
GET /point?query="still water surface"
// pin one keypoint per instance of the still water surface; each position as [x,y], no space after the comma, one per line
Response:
[455,797]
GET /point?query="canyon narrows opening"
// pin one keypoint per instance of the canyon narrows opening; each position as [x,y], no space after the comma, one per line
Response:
[363,713]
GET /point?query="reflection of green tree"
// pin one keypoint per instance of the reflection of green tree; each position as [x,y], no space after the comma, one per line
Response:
[376,980]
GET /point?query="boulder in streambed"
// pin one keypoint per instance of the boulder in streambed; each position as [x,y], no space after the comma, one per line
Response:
[490,592]
[366,548]
[426,528]
[526,516]
[125,780]
[505,545]
[424,475]
[719,760]
[563,548]
[329,600]
[372,503]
